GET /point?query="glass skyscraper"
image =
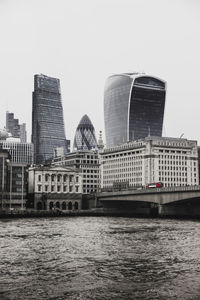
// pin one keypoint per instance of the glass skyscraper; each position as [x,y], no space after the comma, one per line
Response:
[133,107]
[48,132]
[85,135]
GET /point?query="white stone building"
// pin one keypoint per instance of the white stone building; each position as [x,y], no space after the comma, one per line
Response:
[172,161]
[87,162]
[55,187]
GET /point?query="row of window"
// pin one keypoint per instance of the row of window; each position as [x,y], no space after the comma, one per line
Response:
[177,180]
[59,188]
[58,177]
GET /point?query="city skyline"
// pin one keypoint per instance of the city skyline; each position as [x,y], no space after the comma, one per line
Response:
[91,41]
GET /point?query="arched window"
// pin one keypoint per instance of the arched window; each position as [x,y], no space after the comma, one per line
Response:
[76,205]
[64,206]
[39,206]
[70,205]
[50,205]
[58,204]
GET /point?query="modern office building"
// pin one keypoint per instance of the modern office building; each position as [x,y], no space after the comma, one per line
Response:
[14,128]
[19,152]
[172,161]
[85,135]
[55,187]
[13,182]
[48,130]
[85,161]
[133,107]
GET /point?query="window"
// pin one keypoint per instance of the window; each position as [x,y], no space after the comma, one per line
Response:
[39,177]
[58,188]
[39,188]
[65,188]
[70,188]
[77,179]
[46,188]
[46,177]
[77,188]
[52,188]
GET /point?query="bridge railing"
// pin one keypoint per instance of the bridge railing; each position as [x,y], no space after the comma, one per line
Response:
[153,190]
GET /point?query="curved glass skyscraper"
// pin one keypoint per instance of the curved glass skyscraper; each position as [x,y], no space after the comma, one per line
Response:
[133,107]
[48,131]
[85,135]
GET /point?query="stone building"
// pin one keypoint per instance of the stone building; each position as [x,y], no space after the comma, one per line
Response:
[85,161]
[55,187]
[172,161]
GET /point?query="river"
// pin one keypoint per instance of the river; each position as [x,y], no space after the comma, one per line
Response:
[99,258]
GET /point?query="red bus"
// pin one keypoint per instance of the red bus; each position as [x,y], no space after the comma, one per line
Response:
[154,185]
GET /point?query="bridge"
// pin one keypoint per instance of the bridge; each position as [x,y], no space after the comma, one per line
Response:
[168,200]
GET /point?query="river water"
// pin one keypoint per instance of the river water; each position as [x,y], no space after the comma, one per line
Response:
[99,258]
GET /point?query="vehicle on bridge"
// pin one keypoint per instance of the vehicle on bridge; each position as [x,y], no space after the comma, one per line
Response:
[154,185]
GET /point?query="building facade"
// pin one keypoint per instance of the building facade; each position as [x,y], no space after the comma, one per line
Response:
[14,128]
[20,152]
[87,162]
[85,138]
[48,130]
[55,187]
[13,182]
[172,161]
[133,107]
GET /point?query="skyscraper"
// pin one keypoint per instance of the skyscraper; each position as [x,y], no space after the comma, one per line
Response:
[133,107]
[85,135]
[48,130]
[12,126]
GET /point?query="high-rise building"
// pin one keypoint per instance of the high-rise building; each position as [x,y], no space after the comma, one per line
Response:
[133,107]
[85,135]
[17,130]
[48,130]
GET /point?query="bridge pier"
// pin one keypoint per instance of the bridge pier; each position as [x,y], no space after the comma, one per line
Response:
[177,210]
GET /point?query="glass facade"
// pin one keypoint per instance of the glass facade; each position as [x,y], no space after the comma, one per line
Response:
[85,135]
[48,131]
[133,107]
[20,152]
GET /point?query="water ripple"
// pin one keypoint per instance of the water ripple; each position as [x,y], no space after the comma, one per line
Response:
[99,258]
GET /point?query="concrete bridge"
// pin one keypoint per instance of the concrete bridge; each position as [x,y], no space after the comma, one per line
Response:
[180,200]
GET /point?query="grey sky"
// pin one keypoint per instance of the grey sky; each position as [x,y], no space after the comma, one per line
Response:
[84,42]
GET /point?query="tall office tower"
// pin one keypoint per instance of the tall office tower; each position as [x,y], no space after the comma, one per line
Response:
[23,132]
[133,107]
[48,131]
[12,126]
[85,135]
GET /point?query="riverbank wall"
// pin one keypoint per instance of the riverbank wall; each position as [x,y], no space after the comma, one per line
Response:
[143,213]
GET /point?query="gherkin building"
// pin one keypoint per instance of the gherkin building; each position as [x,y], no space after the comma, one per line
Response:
[85,135]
